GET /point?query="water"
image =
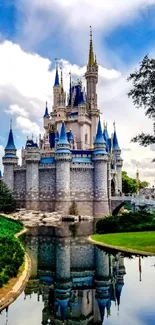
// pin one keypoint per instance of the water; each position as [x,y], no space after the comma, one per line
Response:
[84,285]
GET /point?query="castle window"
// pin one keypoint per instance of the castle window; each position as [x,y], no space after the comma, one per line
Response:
[86,138]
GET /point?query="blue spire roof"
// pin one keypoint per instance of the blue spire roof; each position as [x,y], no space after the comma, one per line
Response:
[99,136]
[70,136]
[46,111]
[56,83]
[106,137]
[57,136]
[10,145]
[81,100]
[115,141]
[63,135]
[0,174]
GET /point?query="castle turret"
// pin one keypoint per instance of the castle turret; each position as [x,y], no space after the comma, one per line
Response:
[100,157]
[10,160]
[63,159]
[56,89]
[91,94]
[32,159]
[119,162]
[56,139]
[46,118]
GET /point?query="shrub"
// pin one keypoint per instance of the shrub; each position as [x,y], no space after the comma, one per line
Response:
[132,221]
[7,202]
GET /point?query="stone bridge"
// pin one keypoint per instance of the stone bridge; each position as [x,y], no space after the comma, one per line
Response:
[133,201]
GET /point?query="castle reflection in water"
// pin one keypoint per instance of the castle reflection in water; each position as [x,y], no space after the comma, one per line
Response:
[76,280]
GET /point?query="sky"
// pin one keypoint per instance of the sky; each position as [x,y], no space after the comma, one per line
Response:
[34,33]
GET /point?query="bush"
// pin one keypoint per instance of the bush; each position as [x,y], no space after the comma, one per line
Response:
[7,202]
[132,221]
[11,252]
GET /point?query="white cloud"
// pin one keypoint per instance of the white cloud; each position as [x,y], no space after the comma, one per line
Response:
[27,126]
[16,110]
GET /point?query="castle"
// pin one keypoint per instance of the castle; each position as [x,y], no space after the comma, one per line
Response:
[75,160]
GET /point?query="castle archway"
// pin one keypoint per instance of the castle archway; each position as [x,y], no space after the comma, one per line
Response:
[113,189]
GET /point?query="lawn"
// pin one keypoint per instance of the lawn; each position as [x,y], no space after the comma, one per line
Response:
[11,252]
[140,241]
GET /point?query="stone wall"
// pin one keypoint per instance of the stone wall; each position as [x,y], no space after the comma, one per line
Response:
[47,188]
[82,255]
[82,191]
[20,187]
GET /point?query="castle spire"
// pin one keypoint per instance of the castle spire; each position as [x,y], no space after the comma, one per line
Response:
[61,82]
[10,143]
[56,83]
[63,135]
[46,111]
[91,60]
[99,136]
[115,140]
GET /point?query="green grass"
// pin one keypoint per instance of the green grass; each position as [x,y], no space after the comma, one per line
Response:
[141,241]
[9,227]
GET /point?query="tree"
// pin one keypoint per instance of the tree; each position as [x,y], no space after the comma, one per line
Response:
[7,202]
[129,185]
[143,95]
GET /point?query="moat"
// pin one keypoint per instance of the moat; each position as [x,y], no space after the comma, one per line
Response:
[75,282]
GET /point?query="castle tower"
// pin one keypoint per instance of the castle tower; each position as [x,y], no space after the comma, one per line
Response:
[10,160]
[91,94]
[32,159]
[100,157]
[63,159]
[46,119]
[82,112]
[119,162]
[56,89]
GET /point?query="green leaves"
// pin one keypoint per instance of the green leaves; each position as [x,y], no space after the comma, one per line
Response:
[129,185]
[143,95]
[7,202]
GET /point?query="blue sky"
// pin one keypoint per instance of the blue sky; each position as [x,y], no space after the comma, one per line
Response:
[33,33]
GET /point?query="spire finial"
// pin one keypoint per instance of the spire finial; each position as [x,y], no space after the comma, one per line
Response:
[91,53]
[114,124]
[11,124]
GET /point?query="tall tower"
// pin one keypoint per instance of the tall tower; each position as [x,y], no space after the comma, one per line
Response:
[100,158]
[63,159]
[10,160]
[91,95]
[46,119]
[56,89]
[119,162]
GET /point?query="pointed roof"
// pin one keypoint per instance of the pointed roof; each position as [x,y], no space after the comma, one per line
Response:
[70,136]
[106,136]
[91,60]
[46,111]
[57,136]
[70,90]
[0,174]
[82,101]
[63,135]
[10,144]
[56,83]
[61,82]
[99,136]
[115,140]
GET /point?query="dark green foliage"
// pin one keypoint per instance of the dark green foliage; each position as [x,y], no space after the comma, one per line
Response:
[127,222]
[129,185]
[7,202]
[143,95]
[73,209]
[11,252]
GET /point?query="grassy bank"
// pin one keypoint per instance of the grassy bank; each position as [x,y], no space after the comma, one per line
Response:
[11,253]
[140,241]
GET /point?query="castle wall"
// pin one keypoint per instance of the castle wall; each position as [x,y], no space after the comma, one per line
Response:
[20,187]
[82,256]
[81,185]
[47,181]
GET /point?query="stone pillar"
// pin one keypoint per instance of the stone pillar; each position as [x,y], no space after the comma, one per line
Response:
[63,259]
[102,263]
[101,205]
[63,201]
[32,179]
[119,178]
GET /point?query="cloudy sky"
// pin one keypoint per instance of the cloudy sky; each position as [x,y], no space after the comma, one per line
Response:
[33,33]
